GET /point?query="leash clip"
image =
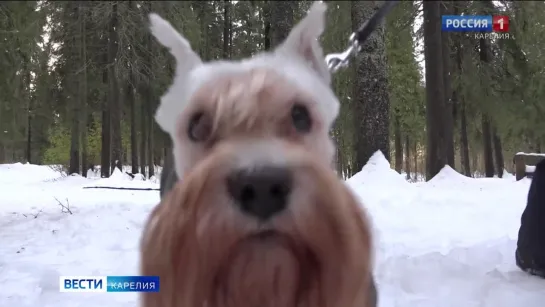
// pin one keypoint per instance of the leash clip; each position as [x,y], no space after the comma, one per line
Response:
[335,61]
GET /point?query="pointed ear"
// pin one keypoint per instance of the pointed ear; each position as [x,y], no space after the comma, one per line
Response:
[303,40]
[179,47]
[186,59]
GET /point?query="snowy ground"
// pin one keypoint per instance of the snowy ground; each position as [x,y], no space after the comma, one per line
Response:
[448,242]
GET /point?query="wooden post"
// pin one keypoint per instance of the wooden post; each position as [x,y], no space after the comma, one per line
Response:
[521,160]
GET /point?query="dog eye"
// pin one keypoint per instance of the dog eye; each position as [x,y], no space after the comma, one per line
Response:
[199,128]
[301,118]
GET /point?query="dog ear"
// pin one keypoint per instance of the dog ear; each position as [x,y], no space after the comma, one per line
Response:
[303,40]
[186,60]
[164,32]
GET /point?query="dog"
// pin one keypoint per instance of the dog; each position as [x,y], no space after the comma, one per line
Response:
[258,217]
[530,252]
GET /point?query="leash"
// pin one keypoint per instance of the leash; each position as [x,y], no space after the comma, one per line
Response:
[337,60]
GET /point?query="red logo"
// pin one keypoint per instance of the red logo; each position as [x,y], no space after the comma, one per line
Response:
[500,23]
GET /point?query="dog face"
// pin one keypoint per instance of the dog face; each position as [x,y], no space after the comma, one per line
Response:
[273,90]
[270,227]
[258,219]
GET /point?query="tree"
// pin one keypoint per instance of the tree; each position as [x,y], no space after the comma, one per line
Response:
[436,157]
[74,90]
[370,90]
[113,90]
[445,7]
[281,13]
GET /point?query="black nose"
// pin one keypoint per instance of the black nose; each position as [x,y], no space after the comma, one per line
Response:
[261,192]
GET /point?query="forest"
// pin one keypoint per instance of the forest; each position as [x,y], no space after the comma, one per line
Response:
[81,81]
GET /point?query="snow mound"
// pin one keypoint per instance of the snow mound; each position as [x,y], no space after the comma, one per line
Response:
[377,171]
[448,174]
[18,173]
[508,176]
[119,179]
[138,177]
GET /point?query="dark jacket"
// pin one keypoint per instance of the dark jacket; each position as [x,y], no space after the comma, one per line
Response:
[530,253]
[169,178]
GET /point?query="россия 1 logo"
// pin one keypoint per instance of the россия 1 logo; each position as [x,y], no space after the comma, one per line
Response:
[458,23]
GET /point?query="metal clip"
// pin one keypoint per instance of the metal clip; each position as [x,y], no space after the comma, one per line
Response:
[335,61]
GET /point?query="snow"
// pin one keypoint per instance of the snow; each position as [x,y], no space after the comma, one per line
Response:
[530,154]
[119,179]
[446,242]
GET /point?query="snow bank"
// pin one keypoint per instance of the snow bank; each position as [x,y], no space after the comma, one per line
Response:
[530,168]
[531,154]
[123,180]
[28,173]
[449,175]
[377,171]
[442,245]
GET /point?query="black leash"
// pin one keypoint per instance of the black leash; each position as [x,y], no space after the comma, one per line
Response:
[337,60]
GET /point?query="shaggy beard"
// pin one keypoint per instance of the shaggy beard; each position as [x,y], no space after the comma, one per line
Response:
[266,270]
[208,254]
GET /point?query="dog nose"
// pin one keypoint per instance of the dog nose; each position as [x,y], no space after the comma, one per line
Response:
[261,192]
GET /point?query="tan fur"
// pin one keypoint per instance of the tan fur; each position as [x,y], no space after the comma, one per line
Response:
[202,248]
[206,251]
[256,103]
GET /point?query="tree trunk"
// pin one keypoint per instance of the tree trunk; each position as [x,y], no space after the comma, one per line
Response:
[475,162]
[487,146]
[151,165]
[498,153]
[371,104]
[458,100]
[407,158]
[202,15]
[267,25]
[74,167]
[84,104]
[340,162]
[464,143]
[143,82]
[113,92]
[29,132]
[105,134]
[226,29]
[484,56]
[28,149]
[230,33]
[27,97]
[134,135]
[436,151]
[281,20]
[415,153]
[85,163]
[397,144]
[449,120]
[143,134]
[148,97]
[131,100]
